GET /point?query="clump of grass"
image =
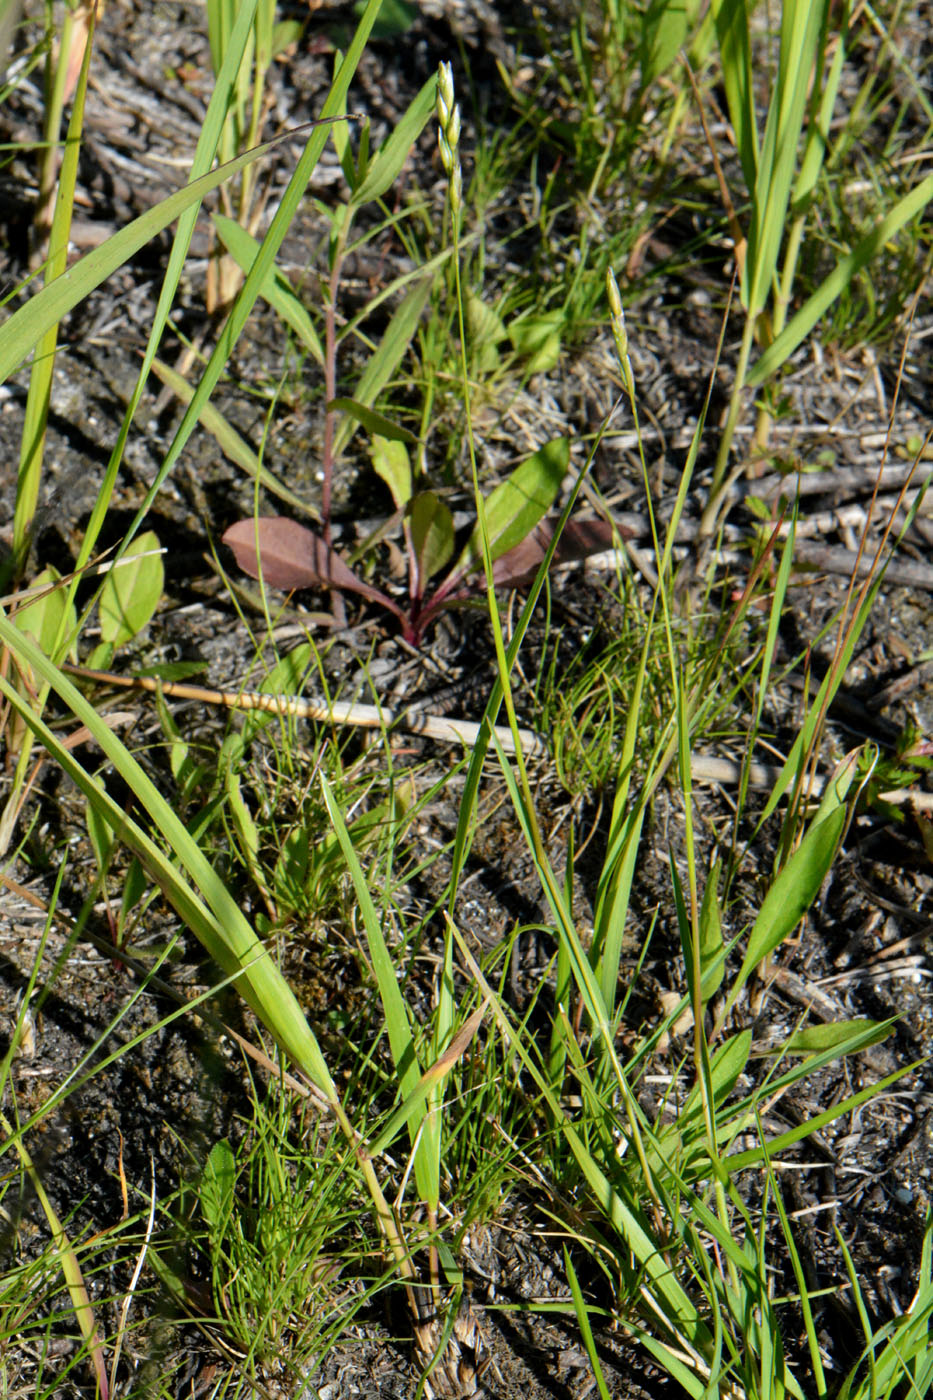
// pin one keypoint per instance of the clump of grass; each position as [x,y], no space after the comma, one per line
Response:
[456,1102]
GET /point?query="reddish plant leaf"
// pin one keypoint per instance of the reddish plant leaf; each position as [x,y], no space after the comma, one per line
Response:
[294,557]
[580,539]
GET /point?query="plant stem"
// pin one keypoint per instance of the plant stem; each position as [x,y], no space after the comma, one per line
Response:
[708,518]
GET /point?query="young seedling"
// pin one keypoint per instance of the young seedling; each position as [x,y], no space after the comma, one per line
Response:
[288,555]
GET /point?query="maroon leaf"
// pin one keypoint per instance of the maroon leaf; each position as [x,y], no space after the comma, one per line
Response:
[579,539]
[294,557]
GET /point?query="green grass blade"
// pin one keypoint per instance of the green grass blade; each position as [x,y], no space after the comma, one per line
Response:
[26,326]
[800,325]
[731,19]
[277,290]
[386,165]
[790,896]
[230,442]
[395,1012]
[800,27]
[265,259]
[213,915]
[387,358]
[70,1267]
[583,1319]
[35,419]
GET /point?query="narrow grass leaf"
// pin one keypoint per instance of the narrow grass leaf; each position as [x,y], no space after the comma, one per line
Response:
[412,1107]
[848,267]
[217,919]
[790,895]
[386,359]
[583,1319]
[395,1012]
[375,423]
[276,289]
[38,398]
[386,165]
[231,444]
[284,215]
[739,1161]
[813,1344]
[25,327]
[842,1037]
[74,1279]
[678,1310]
[712,943]
[731,19]
[800,26]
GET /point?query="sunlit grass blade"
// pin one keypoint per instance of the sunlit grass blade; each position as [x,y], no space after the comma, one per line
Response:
[24,329]
[847,268]
[277,290]
[386,358]
[395,1012]
[230,442]
[32,439]
[70,1266]
[677,1309]
[213,914]
[586,1330]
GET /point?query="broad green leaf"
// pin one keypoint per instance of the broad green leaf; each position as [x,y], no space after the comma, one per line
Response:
[484,325]
[485,331]
[276,289]
[387,163]
[432,535]
[216,1190]
[792,893]
[514,508]
[391,462]
[287,677]
[131,591]
[50,618]
[538,338]
[286,33]
[395,18]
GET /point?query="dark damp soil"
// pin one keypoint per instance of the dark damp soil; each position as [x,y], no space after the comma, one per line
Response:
[152,1111]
